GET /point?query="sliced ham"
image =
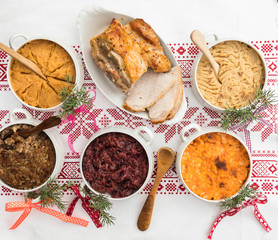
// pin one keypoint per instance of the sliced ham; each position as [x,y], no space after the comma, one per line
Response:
[169,103]
[150,88]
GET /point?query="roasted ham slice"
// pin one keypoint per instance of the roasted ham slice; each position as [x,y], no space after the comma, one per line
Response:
[150,88]
[167,106]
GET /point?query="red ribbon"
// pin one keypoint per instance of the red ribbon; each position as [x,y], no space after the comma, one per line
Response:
[261,199]
[72,118]
[27,206]
[94,215]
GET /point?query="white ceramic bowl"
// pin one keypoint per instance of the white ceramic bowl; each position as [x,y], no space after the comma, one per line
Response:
[140,137]
[51,133]
[195,88]
[188,140]
[79,79]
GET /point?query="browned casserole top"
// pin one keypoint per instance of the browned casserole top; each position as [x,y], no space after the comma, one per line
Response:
[215,165]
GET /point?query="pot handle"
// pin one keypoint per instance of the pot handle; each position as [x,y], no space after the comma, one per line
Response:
[187,128]
[208,34]
[13,117]
[139,130]
[12,38]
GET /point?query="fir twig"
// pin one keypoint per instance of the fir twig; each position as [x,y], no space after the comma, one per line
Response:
[101,204]
[73,98]
[232,117]
[244,194]
[51,194]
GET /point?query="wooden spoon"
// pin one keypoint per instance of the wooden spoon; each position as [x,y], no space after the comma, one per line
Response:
[23,60]
[165,158]
[199,40]
[47,123]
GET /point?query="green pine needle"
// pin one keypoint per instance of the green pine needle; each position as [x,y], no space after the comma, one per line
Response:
[73,98]
[101,204]
[231,116]
[245,193]
[51,194]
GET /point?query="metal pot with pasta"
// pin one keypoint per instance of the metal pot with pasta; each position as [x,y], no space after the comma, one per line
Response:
[242,71]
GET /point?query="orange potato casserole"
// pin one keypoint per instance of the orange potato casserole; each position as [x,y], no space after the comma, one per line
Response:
[215,166]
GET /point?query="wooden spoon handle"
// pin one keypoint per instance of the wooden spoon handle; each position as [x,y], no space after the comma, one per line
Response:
[22,59]
[199,40]
[48,123]
[145,217]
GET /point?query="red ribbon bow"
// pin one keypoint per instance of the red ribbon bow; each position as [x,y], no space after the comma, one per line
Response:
[261,199]
[27,207]
[94,215]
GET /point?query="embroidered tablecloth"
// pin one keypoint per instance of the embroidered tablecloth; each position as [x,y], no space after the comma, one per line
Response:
[177,213]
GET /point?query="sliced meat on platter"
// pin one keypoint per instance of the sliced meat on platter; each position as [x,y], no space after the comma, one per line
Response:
[167,106]
[150,88]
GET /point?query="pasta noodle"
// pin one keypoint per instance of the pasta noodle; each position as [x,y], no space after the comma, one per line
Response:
[241,72]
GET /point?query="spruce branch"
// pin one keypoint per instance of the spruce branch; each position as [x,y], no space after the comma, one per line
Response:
[51,194]
[245,193]
[73,98]
[242,116]
[101,204]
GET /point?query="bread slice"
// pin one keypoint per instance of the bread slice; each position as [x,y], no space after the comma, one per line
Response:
[167,104]
[149,89]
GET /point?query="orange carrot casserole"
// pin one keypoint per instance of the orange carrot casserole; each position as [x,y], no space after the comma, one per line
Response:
[215,166]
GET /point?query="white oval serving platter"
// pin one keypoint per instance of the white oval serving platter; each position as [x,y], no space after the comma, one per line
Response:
[93,20]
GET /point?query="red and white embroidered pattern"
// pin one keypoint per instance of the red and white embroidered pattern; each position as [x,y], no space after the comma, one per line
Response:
[263,139]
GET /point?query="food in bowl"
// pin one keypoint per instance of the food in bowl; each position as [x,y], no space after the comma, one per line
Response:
[115,163]
[215,166]
[125,53]
[25,163]
[241,73]
[55,63]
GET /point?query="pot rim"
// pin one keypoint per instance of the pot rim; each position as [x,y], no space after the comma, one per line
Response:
[198,58]
[136,134]
[79,78]
[29,120]
[202,131]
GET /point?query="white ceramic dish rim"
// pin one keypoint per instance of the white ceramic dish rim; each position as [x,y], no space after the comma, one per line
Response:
[198,58]
[50,133]
[188,140]
[98,76]
[136,134]
[77,63]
